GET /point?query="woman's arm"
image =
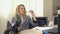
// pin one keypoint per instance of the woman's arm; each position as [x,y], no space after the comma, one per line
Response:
[31,22]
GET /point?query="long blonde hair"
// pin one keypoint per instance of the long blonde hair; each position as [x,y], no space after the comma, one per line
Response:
[18,8]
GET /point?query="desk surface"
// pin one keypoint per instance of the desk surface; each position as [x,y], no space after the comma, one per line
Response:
[39,31]
[52,29]
[31,31]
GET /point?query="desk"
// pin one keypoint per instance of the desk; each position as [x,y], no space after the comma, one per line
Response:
[38,30]
[52,29]
[31,31]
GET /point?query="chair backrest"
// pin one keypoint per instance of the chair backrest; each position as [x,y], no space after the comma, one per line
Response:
[59,23]
[9,25]
[55,20]
[9,28]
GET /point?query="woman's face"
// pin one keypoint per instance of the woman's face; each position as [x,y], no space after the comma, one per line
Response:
[22,10]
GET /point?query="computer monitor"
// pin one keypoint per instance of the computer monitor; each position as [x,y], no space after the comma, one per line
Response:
[42,21]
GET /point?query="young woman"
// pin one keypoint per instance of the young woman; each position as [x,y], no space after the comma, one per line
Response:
[21,19]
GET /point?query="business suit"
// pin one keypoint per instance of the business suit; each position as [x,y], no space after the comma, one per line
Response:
[26,21]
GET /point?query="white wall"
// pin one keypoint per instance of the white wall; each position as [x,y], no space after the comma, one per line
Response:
[35,5]
[4,12]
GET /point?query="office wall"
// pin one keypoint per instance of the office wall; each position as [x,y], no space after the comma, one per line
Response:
[0,24]
[35,5]
[59,6]
[48,8]
[56,4]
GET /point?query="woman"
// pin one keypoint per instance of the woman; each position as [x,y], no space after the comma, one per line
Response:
[21,19]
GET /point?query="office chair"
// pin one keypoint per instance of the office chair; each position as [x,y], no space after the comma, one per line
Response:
[9,29]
